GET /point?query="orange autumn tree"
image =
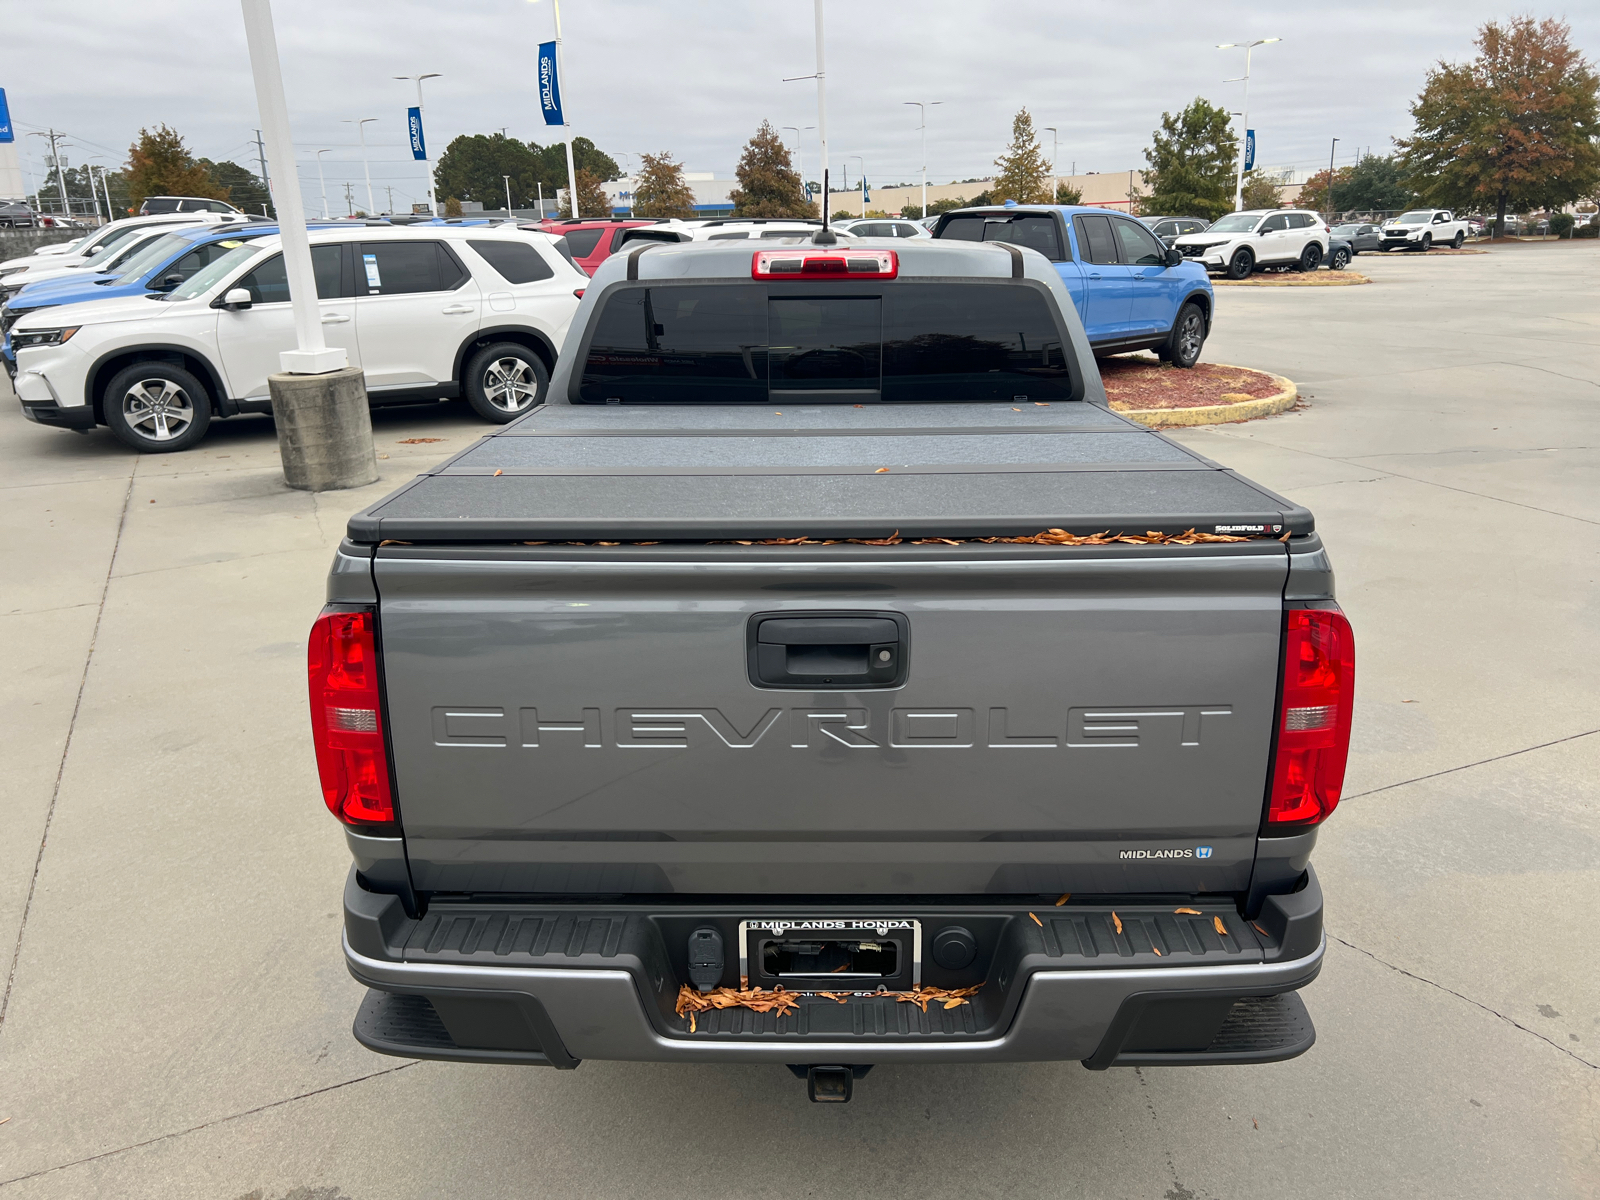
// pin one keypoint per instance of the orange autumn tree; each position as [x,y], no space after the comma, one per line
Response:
[1513,128]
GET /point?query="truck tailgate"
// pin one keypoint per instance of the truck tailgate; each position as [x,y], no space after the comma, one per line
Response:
[582,720]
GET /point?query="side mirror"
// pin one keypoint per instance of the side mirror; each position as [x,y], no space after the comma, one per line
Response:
[1174,256]
[169,282]
[236,299]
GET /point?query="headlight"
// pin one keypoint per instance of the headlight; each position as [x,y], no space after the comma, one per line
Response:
[23,338]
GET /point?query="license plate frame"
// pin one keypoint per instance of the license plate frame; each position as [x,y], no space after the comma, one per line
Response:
[905,931]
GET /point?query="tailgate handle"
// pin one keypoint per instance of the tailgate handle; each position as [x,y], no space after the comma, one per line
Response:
[822,651]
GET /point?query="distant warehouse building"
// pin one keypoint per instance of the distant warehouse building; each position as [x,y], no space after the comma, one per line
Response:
[710,194]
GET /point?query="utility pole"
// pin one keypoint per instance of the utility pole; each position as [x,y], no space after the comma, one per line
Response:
[1055,184]
[1330,180]
[261,157]
[324,182]
[507,181]
[55,161]
[863,182]
[924,106]
[349,204]
[390,189]
[1238,183]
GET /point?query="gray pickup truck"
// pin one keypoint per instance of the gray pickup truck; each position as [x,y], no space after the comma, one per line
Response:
[826,676]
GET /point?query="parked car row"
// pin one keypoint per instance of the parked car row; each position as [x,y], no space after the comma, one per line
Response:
[156,325]
[427,311]
[1239,243]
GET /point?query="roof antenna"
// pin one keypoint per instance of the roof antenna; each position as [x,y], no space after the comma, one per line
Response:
[824,236]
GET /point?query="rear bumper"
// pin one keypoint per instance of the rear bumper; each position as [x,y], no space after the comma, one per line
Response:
[1042,999]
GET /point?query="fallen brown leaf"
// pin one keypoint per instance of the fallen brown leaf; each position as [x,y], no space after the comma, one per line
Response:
[949,997]
[1221,928]
[1255,1122]
[880,470]
[840,997]
[1154,950]
[1260,930]
[535,543]
[1037,922]
[417,441]
[691,1001]
[498,471]
[392,542]
[1193,912]
[1065,896]
[1116,920]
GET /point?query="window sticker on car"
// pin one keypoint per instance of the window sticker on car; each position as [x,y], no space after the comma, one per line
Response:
[230,245]
[374,280]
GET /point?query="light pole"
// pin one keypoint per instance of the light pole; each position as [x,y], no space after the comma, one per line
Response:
[427,160]
[361,128]
[924,106]
[1330,180]
[863,184]
[798,169]
[1055,184]
[1247,47]
[821,76]
[324,184]
[566,126]
[507,180]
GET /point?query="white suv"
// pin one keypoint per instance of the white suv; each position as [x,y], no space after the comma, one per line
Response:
[428,312]
[1240,242]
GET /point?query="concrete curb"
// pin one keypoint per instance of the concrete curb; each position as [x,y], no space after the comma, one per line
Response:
[1218,414]
[1345,278]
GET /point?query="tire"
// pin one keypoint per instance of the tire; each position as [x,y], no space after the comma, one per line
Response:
[1188,337]
[504,380]
[1241,264]
[1311,256]
[1456,242]
[156,408]
[1338,260]
[1427,242]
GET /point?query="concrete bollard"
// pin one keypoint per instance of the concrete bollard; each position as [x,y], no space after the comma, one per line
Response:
[324,430]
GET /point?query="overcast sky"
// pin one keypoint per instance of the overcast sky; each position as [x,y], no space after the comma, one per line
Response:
[696,79]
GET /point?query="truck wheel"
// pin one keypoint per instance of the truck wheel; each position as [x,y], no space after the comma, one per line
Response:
[1188,336]
[505,380]
[1339,259]
[1241,264]
[1311,256]
[1427,242]
[1455,242]
[156,408]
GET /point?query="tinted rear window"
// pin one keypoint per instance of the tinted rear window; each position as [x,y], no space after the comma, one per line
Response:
[515,262]
[1035,230]
[583,241]
[746,343]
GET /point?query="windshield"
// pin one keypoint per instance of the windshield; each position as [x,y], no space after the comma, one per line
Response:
[1236,223]
[150,257]
[102,242]
[113,252]
[1345,228]
[1414,218]
[203,280]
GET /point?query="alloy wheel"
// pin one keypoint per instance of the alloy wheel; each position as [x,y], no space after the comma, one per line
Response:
[157,409]
[1191,337]
[509,384]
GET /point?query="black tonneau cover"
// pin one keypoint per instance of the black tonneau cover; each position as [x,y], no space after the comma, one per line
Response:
[624,473]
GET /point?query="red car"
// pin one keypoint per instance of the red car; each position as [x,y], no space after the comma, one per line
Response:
[591,242]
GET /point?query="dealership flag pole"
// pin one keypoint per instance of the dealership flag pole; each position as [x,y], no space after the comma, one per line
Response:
[319,402]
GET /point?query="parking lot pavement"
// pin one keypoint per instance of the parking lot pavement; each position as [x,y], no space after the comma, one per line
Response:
[177,1020]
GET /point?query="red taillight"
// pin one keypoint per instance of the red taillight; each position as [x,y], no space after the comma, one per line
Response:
[578,292]
[817,263]
[1319,679]
[347,719]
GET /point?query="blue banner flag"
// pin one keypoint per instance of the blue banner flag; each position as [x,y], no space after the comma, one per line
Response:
[419,149]
[5,120]
[549,86]
[1249,149]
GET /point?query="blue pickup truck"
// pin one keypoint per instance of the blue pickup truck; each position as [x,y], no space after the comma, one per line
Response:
[1132,292]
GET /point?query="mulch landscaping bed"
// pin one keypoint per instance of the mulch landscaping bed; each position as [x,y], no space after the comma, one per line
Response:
[1295,279]
[1143,383]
